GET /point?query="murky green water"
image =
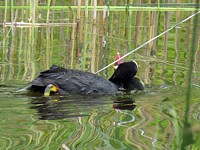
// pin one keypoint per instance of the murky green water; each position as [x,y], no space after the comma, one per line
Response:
[153,119]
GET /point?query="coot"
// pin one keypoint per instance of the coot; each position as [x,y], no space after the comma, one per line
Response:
[124,77]
[68,81]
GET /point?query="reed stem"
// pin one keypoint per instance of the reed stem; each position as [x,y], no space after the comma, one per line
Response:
[4,44]
[94,37]
[85,36]
[10,43]
[48,36]
[112,8]
[32,40]
[77,32]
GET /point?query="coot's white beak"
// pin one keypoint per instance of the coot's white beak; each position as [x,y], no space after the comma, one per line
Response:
[115,67]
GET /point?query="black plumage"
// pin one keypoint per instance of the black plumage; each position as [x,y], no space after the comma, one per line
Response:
[69,81]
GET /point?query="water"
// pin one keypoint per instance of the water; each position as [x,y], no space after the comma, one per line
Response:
[153,119]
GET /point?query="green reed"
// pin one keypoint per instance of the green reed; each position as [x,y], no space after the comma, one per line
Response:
[112,8]
[193,50]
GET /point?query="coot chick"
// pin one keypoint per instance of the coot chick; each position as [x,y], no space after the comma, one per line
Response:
[68,81]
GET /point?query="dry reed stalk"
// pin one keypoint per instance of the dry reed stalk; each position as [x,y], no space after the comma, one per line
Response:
[99,42]
[48,36]
[106,49]
[10,43]
[156,26]
[146,49]
[3,66]
[127,31]
[166,36]
[178,33]
[51,35]
[94,37]
[81,28]
[28,25]
[129,42]
[62,40]
[29,44]
[32,40]
[177,47]
[72,43]
[25,48]
[85,36]
[165,42]
[20,53]
[104,13]
[118,32]
[138,24]
[152,26]
[19,63]
[77,32]
[188,34]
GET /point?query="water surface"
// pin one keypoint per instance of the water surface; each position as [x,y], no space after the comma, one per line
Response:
[153,119]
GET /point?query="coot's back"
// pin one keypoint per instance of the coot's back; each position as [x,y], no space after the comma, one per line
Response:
[74,81]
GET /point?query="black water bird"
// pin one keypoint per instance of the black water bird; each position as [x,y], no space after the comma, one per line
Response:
[68,81]
[124,77]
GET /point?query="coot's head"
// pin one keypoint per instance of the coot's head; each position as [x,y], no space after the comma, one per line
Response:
[124,73]
[126,70]
[129,68]
[124,76]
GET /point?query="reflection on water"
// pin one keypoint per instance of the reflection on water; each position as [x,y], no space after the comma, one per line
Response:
[56,107]
[124,103]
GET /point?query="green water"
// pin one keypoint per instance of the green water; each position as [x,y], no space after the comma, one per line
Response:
[153,119]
